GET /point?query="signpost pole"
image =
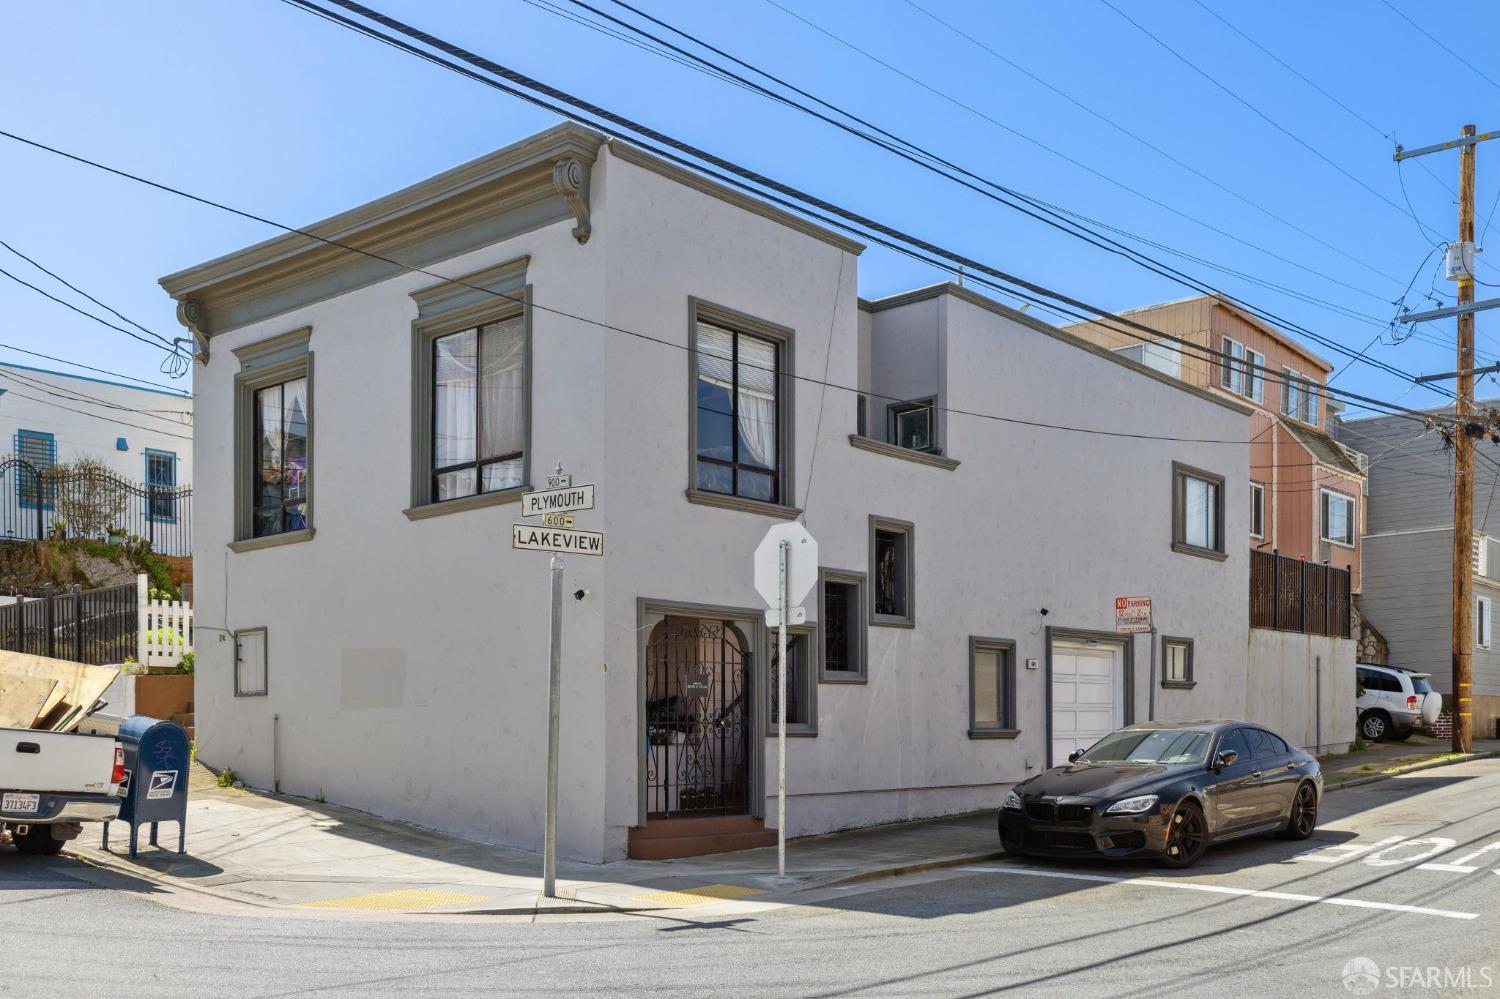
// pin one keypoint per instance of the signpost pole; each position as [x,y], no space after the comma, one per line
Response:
[1151,689]
[554,698]
[781,671]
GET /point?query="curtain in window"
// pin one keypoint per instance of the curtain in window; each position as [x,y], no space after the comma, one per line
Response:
[502,405]
[756,402]
[1198,512]
[455,359]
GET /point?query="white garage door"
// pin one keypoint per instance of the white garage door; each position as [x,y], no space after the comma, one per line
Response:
[1087,701]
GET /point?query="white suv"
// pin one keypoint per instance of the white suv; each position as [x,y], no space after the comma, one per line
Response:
[1395,702]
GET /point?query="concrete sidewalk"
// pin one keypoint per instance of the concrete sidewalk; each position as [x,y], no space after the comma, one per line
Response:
[1383,758]
[291,853]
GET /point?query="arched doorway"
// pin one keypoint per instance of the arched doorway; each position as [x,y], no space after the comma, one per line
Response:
[698,719]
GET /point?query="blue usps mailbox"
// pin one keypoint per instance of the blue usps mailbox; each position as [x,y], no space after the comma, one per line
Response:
[156,768]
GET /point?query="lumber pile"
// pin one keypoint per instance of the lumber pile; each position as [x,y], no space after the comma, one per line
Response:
[50,694]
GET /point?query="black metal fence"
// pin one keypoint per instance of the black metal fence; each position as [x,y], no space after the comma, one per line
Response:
[98,627]
[63,503]
[1290,594]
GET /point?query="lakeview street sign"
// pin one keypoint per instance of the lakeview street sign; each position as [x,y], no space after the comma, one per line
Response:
[1132,615]
[564,499]
[551,539]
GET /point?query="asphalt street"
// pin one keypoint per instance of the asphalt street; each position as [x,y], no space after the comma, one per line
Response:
[1397,894]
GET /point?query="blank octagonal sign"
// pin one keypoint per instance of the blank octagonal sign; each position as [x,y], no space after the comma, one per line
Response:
[801,563]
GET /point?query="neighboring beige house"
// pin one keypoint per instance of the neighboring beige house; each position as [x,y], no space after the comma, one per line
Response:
[1307,490]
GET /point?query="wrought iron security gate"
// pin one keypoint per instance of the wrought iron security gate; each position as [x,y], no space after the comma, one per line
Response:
[697,720]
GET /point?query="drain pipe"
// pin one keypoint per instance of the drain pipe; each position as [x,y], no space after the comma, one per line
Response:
[275,756]
[1318,703]
[1151,687]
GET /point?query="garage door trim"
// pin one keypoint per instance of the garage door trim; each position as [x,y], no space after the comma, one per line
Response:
[1127,652]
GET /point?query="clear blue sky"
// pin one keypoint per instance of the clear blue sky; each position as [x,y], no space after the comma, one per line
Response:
[267,108]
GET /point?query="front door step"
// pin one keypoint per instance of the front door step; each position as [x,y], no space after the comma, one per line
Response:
[670,839]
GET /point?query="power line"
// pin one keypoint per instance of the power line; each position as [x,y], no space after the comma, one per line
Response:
[102,371]
[1146,142]
[1433,39]
[1291,69]
[1071,217]
[74,395]
[1261,114]
[96,416]
[1064,156]
[809,205]
[63,281]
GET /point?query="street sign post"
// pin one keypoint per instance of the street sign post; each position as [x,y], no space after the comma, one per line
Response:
[786,567]
[555,505]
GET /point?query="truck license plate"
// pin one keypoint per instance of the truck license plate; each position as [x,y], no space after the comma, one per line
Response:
[21,804]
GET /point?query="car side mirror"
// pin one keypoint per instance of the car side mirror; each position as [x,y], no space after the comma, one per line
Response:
[1225,758]
[1075,756]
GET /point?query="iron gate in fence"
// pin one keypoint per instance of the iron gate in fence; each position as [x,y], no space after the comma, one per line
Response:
[98,627]
[1290,594]
[43,502]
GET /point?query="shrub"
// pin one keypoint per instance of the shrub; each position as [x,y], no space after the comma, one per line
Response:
[227,778]
[86,494]
[186,664]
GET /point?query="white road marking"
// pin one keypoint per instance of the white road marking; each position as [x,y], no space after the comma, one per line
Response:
[1462,865]
[1283,896]
[1344,851]
[1439,844]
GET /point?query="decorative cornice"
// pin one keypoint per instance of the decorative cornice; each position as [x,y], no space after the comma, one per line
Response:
[571,178]
[190,315]
[637,157]
[904,453]
[516,189]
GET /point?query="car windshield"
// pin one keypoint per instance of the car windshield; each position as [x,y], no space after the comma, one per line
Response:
[1420,685]
[1150,746]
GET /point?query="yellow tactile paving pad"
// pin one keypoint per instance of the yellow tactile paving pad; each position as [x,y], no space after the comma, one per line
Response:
[697,896]
[406,899]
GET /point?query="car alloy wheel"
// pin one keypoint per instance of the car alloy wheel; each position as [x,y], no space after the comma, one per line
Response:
[1374,727]
[1304,817]
[1187,838]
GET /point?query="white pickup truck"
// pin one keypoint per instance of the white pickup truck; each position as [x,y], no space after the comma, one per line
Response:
[53,782]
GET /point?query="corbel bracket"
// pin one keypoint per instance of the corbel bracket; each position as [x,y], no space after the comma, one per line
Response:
[570,177]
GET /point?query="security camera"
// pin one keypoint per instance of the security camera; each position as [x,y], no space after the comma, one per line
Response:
[580,594]
[1043,612]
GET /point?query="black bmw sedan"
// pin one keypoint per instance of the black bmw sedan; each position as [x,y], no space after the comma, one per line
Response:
[1165,790]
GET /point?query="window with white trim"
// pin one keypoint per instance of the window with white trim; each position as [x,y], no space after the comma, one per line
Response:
[1231,372]
[1337,517]
[1255,382]
[1483,619]
[1257,510]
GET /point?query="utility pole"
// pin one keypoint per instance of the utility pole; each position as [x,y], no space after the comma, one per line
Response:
[1461,267]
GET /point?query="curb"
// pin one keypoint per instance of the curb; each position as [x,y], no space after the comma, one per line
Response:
[110,862]
[1411,769]
[901,870]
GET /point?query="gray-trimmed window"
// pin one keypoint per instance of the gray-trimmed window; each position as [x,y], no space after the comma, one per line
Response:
[1336,517]
[892,572]
[841,619]
[273,441]
[801,681]
[1197,512]
[471,391]
[250,672]
[739,373]
[1177,662]
[913,425]
[992,688]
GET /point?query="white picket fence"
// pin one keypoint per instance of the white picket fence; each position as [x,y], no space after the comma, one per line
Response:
[166,628]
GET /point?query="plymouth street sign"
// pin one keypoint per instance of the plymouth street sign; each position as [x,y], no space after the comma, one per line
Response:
[562,500]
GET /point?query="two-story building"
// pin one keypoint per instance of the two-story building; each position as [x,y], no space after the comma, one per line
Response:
[367,428]
[1408,554]
[1306,488]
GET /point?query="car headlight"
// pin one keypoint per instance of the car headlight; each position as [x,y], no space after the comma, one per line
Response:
[1013,801]
[1131,806]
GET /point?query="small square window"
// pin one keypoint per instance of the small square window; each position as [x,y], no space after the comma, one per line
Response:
[992,688]
[1176,662]
[892,573]
[912,426]
[250,662]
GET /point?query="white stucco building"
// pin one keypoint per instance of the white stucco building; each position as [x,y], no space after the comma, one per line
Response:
[704,360]
[143,435]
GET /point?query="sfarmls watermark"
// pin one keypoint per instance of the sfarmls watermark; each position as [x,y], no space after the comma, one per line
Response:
[1363,977]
